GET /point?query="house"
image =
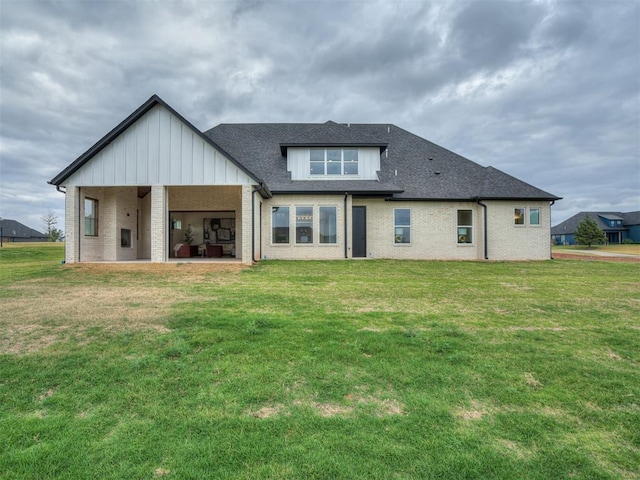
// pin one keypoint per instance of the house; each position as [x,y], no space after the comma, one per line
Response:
[290,191]
[617,226]
[13,231]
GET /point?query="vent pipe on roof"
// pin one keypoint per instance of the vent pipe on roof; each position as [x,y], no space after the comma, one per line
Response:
[388,129]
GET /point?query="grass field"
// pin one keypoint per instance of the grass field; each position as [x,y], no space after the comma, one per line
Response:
[625,249]
[311,370]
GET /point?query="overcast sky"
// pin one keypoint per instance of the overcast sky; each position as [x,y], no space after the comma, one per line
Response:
[547,91]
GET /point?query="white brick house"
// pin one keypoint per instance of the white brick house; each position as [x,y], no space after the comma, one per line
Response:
[291,191]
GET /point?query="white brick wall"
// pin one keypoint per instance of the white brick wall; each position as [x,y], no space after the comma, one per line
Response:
[508,241]
[433,225]
[302,251]
[433,230]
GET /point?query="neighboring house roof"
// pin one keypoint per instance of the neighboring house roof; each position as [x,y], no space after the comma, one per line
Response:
[15,229]
[632,218]
[411,168]
[570,225]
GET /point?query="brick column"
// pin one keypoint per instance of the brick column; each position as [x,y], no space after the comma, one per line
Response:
[159,221]
[247,230]
[72,228]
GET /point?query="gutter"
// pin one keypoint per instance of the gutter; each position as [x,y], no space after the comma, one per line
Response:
[484,230]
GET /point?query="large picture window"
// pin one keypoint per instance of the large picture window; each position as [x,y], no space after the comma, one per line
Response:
[90,217]
[465,226]
[402,225]
[333,161]
[280,224]
[304,224]
[328,225]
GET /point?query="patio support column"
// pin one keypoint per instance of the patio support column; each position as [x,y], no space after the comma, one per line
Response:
[247,227]
[73,228]
[159,223]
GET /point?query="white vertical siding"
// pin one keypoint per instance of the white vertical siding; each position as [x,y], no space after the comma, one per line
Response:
[159,149]
[368,159]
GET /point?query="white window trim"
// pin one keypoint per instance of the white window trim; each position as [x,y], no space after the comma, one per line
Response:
[274,244]
[320,244]
[396,244]
[524,217]
[312,243]
[535,225]
[334,176]
[96,207]
[472,226]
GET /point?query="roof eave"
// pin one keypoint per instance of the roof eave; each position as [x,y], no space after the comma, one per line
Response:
[285,146]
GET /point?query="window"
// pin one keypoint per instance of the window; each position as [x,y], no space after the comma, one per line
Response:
[125,238]
[534,216]
[304,224]
[402,225]
[518,216]
[90,217]
[317,161]
[333,161]
[280,224]
[465,226]
[328,225]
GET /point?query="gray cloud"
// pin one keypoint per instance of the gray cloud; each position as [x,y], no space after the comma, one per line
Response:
[546,91]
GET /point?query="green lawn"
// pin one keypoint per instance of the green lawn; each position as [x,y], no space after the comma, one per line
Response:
[312,370]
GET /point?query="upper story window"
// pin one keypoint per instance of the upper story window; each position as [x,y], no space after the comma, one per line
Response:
[90,217]
[518,216]
[333,161]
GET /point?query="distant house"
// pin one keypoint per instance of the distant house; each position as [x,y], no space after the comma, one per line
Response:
[12,231]
[617,227]
[157,188]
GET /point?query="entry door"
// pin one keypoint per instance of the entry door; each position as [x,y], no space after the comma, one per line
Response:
[359,231]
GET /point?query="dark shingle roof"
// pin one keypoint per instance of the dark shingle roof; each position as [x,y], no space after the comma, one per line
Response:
[411,168]
[570,225]
[15,229]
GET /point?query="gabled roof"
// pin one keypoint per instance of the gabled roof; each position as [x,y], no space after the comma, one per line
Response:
[570,225]
[15,229]
[410,168]
[126,123]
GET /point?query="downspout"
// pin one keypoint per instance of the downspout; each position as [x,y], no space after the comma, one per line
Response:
[346,251]
[259,188]
[484,229]
[553,202]
[79,225]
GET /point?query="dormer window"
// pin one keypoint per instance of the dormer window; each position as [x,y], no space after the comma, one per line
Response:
[333,161]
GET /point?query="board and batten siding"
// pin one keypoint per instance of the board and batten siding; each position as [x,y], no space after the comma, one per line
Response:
[159,149]
[368,164]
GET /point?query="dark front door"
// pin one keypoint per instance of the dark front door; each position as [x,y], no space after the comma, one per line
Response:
[359,231]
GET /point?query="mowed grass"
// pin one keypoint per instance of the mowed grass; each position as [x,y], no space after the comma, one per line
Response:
[623,248]
[314,370]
